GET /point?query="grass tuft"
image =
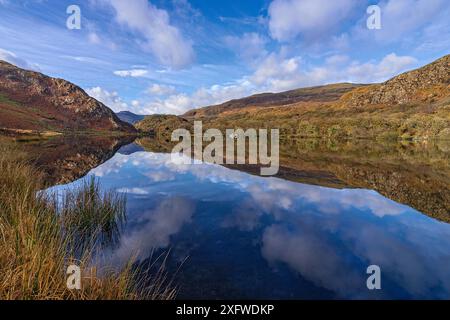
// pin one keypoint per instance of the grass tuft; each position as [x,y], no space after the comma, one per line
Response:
[40,237]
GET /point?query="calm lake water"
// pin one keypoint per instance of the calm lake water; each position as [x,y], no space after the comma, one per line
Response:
[231,234]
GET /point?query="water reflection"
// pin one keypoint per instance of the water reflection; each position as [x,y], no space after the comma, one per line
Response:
[63,159]
[252,237]
[415,174]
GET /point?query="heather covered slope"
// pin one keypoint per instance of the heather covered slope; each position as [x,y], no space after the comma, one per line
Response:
[314,94]
[427,84]
[162,125]
[414,105]
[31,101]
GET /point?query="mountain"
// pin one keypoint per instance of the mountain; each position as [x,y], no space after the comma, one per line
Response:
[314,94]
[412,106]
[129,117]
[33,102]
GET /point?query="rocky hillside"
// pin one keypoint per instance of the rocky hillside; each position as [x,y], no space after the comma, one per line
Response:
[35,102]
[412,106]
[427,84]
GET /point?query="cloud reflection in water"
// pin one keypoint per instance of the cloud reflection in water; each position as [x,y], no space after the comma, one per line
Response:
[325,236]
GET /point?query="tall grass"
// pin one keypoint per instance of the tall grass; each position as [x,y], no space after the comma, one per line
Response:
[92,217]
[41,237]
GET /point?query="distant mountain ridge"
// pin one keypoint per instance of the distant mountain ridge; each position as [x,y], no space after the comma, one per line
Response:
[130,117]
[414,105]
[324,93]
[35,102]
[426,84]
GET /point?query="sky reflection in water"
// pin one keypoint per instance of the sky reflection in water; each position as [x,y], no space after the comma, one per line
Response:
[252,237]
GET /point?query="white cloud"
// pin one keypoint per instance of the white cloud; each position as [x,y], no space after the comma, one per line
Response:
[160,90]
[110,99]
[275,71]
[415,24]
[134,73]
[12,58]
[388,67]
[161,38]
[289,19]
[402,17]
[181,103]
[278,73]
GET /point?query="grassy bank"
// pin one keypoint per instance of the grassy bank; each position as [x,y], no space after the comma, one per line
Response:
[40,238]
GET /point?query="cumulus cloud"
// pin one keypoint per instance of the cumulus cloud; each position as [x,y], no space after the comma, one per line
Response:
[389,66]
[160,90]
[162,39]
[289,19]
[110,99]
[275,73]
[182,102]
[278,73]
[403,17]
[12,58]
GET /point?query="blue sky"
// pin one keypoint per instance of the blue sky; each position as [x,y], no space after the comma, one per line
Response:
[171,56]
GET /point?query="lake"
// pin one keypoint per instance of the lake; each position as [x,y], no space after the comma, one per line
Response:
[309,233]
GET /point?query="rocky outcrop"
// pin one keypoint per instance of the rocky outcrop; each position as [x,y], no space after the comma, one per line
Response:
[32,101]
[426,84]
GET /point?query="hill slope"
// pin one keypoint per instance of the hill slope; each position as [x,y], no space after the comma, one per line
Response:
[35,102]
[314,94]
[427,84]
[162,125]
[413,105]
[129,117]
